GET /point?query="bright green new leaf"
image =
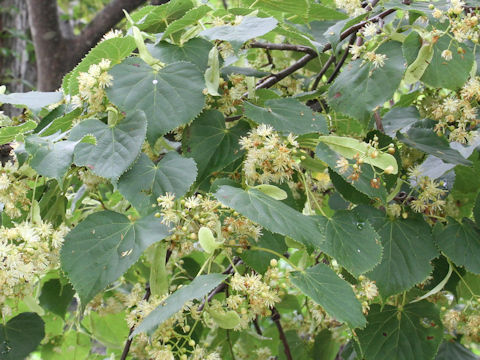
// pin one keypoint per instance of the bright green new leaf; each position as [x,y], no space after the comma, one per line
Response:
[8,133]
[408,249]
[225,319]
[334,294]
[349,148]
[116,147]
[21,335]
[115,50]
[102,247]
[110,329]
[170,97]
[460,242]
[274,215]
[352,241]
[60,124]
[34,100]
[211,144]
[287,115]
[416,69]
[207,240]
[197,289]
[145,181]
[212,74]
[190,18]
[272,191]
[412,332]
[361,87]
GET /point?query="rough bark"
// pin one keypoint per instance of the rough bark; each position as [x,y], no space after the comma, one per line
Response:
[17,69]
[56,51]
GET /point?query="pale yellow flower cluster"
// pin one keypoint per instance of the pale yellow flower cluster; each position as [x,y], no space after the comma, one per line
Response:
[365,291]
[352,7]
[269,156]
[28,251]
[92,84]
[458,112]
[13,191]
[430,195]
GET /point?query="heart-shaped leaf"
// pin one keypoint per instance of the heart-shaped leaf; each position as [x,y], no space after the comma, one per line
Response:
[116,146]
[20,336]
[145,181]
[169,97]
[102,247]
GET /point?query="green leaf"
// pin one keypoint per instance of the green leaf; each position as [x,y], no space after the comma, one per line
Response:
[170,97]
[102,247]
[21,335]
[469,286]
[349,148]
[347,190]
[212,74]
[400,118]
[116,147]
[454,350]
[324,153]
[320,12]
[195,51]
[476,210]
[72,345]
[272,214]
[352,241]
[460,242]
[49,158]
[334,294]
[414,332]
[375,85]
[110,329]
[325,346]
[190,18]
[287,115]
[427,141]
[33,100]
[8,133]
[249,28]
[61,124]
[260,260]
[197,289]
[155,19]
[448,74]
[211,144]
[115,50]
[408,249]
[145,181]
[56,297]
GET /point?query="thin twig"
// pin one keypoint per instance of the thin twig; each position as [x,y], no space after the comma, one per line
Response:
[378,121]
[285,47]
[342,60]
[257,326]
[322,72]
[276,319]
[128,343]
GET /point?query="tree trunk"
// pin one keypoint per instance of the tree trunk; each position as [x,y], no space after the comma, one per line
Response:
[17,68]
[56,51]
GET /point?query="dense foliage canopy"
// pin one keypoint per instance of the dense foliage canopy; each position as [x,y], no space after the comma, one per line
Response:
[268,179]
